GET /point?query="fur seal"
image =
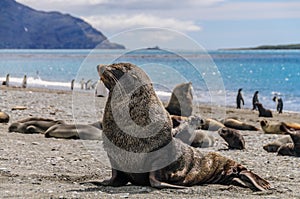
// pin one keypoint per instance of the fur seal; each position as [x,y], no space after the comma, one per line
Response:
[4,117]
[236,124]
[287,149]
[71,131]
[276,127]
[233,138]
[239,99]
[263,112]
[187,133]
[271,127]
[203,139]
[190,167]
[177,120]
[292,149]
[181,101]
[212,125]
[33,125]
[273,147]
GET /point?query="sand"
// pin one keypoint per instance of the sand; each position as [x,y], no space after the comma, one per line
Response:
[32,166]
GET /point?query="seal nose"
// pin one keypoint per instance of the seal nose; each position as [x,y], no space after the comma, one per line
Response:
[101,68]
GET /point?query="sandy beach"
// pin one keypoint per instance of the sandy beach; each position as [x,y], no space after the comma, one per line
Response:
[32,166]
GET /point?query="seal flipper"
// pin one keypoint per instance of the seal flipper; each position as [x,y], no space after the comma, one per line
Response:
[154,182]
[117,179]
[253,181]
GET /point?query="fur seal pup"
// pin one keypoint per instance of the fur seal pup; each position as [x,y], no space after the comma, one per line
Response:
[177,120]
[181,101]
[212,125]
[236,124]
[132,101]
[233,138]
[203,139]
[273,147]
[187,133]
[33,125]
[71,131]
[263,112]
[4,117]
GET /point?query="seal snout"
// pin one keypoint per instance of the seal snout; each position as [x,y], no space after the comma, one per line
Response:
[101,68]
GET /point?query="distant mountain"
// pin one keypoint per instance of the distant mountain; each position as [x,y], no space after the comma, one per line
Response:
[22,27]
[271,47]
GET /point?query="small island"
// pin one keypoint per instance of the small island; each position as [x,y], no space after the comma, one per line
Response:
[271,47]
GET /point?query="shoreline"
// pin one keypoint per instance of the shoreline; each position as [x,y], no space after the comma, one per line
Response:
[164,99]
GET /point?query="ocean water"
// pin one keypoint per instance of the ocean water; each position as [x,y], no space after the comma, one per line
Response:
[216,75]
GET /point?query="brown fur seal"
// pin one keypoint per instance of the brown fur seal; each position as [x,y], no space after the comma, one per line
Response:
[236,124]
[290,149]
[287,149]
[212,125]
[4,117]
[271,127]
[181,101]
[275,127]
[33,125]
[234,139]
[71,131]
[263,112]
[276,144]
[137,145]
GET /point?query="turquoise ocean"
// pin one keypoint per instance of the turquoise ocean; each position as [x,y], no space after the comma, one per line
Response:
[268,71]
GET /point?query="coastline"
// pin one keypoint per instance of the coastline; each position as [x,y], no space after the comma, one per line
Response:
[37,167]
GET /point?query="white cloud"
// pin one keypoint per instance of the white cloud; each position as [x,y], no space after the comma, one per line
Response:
[122,22]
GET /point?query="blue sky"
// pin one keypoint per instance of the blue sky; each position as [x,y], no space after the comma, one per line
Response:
[213,24]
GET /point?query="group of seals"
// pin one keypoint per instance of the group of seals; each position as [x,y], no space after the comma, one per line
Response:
[131,91]
[276,144]
[287,146]
[56,129]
